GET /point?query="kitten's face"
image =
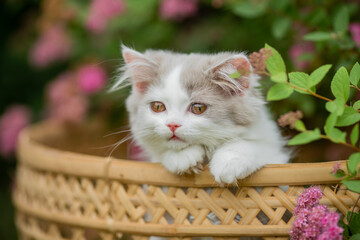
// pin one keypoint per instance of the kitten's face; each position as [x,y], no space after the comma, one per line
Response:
[179,100]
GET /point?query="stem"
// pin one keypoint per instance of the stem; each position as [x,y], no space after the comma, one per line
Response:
[356,87]
[317,95]
[310,92]
[343,143]
[352,211]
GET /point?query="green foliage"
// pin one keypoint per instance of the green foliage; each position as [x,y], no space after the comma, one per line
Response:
[235,75]
[276,66]
[280,26]
[249,9]
[317,76]
[341,20]
[279,91]
[337,107]
[340,85]
[305,137]
[339,173]
[349,117]
[355,237]
[355,74]
[299,79]
[341,114]
[353,185]
[318,36]
[354,161]
[354,136]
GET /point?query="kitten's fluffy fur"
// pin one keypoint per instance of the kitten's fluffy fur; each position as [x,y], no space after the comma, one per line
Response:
[235,133]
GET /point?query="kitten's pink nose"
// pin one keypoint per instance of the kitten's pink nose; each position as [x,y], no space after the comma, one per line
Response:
[173,126]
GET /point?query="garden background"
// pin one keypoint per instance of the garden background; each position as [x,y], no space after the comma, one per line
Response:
[58,57]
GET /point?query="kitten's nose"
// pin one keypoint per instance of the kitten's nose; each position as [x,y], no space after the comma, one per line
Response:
[173,126]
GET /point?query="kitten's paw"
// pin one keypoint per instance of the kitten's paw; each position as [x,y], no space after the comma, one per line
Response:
[186,160]
[228,166]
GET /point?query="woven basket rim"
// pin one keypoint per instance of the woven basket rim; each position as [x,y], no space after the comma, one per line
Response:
[37,155]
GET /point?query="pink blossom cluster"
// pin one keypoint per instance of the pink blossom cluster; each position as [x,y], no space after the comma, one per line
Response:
[178,9]
[101,12]
[354,29]
[290,119]
[336,167]
[53,45]
[314,221]
[67,94]
[297,52]
[15,118]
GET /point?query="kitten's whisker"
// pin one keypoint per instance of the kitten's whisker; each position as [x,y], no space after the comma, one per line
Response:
[115,133]
[116,145]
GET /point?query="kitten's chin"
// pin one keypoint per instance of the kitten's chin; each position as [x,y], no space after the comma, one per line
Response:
[176,144]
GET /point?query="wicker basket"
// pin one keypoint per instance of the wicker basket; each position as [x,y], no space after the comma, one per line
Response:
[66,195]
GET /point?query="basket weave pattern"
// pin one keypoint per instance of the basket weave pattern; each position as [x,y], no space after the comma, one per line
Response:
[56,200]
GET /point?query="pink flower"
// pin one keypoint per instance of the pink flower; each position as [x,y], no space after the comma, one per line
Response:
[91,78]
[101,12]
[297,51]
[309,198]
[66,103]
[12,121]
[178,9]
[313,220]
[336,167]
[354,29]
[52,46]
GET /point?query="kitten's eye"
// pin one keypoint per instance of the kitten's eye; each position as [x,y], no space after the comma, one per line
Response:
[157,106]
[198,108]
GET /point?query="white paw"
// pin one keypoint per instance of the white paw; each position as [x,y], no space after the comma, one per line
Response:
[186,160]
[228,166]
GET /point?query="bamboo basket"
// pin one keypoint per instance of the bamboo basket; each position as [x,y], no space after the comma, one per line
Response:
[62,194]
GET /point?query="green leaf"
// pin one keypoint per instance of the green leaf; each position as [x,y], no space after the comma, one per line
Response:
[336,135]
[279,77]
[354,161]
[341,20]
[318,36]
[354,136]
[349,117]
[353,185]
[249,9]
[355,74]
[354,225]
[345,227]
[330,123]
[235,75]
[356,236]
[357,105]
[280,27]
[340,85]
[300,126]
[279,91]
[317,75]
[339,173]
[299,79]
[337,107]
[276,66]
[305,137]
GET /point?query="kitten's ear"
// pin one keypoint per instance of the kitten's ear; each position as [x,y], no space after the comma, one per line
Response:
[140,68]
[233,74]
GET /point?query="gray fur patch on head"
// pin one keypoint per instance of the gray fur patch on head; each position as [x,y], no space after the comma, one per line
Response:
[205,78]
[201,84]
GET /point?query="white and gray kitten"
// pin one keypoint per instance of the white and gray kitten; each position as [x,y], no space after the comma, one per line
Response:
[185,109]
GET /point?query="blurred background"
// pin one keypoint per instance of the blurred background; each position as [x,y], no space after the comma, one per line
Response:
[58,57]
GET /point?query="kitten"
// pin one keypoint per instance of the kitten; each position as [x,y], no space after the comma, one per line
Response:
[186,109]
